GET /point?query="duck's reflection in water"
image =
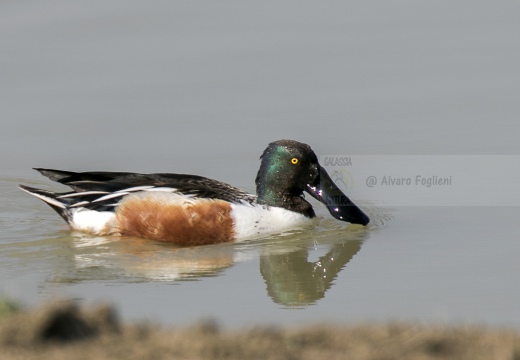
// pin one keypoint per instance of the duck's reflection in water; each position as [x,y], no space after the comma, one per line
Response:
[293,279]
[142,260]
[297,268]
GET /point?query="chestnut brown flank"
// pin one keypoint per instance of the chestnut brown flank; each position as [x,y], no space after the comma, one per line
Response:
[190,223]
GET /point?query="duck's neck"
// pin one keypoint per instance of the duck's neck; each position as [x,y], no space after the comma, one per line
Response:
[270,193]
[272,190]
[284,199]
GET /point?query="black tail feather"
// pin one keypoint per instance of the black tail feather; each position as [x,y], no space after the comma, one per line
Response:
[50,198]
[66,177]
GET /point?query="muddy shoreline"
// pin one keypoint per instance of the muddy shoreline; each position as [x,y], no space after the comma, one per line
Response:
[64,331]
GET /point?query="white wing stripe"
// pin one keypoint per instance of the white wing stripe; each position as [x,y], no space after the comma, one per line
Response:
[82,193]
[80,203]
[135,188]
[166,189]
[48,200]
[115,194]
[111,196]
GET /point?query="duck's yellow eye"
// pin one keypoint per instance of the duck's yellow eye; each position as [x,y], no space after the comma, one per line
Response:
[294,161]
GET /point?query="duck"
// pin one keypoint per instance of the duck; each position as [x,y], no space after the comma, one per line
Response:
[195,210]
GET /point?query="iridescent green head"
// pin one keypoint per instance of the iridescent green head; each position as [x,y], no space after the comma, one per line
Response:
[287,169]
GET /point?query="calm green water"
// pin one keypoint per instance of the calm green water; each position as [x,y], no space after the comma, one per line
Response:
[202,87]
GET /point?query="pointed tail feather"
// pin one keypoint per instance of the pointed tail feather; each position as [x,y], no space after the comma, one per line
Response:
[56,175]
[68,177]
[51,199]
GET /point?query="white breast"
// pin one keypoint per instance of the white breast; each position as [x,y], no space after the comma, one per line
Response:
[256,220]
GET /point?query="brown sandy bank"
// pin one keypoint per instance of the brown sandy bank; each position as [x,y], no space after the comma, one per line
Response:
[64,331]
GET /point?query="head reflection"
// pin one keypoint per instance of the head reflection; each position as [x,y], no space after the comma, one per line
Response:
[293,280]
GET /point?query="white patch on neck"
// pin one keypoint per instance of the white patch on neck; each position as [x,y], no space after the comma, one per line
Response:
[256,220]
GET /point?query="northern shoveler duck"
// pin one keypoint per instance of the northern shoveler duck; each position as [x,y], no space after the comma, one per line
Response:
[193,210]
